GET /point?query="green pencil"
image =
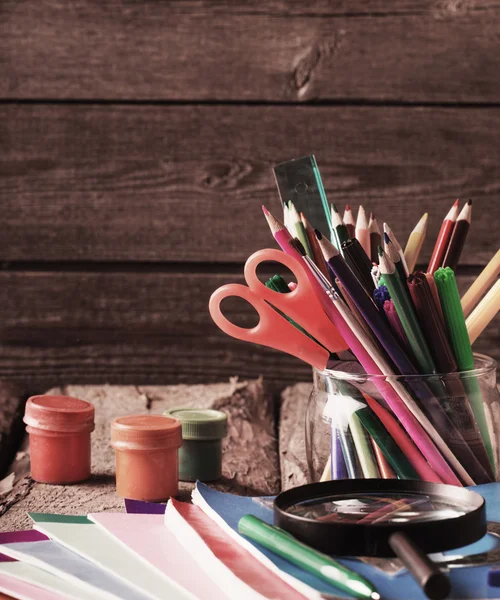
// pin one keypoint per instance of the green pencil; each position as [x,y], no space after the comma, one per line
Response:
[406,313]
[299,229]
[323,566]
[363,447]
[338,225]
[460,344]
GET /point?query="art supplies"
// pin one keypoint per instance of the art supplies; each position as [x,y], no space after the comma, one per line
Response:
[443,239]
[375,238]
[385,469]
[59,428]
[481,284]
[282,543]
[298,227]
[348,222]
[316,250]
[484,313]
[82,536]
[135,438]
[299,181]
[397,246]
[415,243]
[302,305]
[362,231]
[234,567]
[24,590]
[147,539]
[359,262]
[458,237]
[340,230]
[459,339]
[203,429]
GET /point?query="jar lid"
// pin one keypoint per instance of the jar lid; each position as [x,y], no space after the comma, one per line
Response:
[59,413]
[145,432]
[200,423]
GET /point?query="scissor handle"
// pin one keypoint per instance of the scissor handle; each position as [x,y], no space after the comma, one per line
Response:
[272,330]
[303,304]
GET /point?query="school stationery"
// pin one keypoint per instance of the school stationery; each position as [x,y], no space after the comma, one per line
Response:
[443,239]
[348,221]
[458,237]
[481,284]
[484,313]
[282,543]
[362,232]
[153,544]
[415,243]
[80,535]
[375,238]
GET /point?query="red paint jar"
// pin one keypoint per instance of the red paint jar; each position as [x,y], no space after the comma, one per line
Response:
[59,428]
[147,464]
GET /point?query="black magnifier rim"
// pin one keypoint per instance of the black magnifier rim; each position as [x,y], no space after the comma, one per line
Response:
[353,539]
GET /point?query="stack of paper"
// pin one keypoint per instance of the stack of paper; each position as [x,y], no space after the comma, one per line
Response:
[185,551]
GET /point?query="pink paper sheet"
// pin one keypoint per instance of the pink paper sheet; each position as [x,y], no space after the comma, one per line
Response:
[147,536]
[21,589]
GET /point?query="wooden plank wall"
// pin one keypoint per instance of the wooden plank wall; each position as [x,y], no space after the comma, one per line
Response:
[137,141]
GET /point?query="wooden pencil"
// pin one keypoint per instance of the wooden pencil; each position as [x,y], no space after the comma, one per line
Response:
[385,468]
[300,232]
[458,237]
[399,249]
[395,257]
[349,221]
[443,239]
[481,284]
[415,243]
[338,225]
[362,233]
[484,313]
[316,250]
[375,238]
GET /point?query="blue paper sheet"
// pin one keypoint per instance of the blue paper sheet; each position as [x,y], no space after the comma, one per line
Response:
[467,582]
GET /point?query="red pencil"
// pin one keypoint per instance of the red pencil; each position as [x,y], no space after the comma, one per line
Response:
[458,237]
[349,221]
[443,239]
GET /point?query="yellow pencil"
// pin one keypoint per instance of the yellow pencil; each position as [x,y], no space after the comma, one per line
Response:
[484,313]
[481,284]
[415,242]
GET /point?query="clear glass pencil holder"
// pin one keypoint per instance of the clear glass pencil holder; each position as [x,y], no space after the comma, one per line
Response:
[442,428]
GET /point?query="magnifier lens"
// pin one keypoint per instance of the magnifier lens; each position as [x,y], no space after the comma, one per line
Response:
[379,508]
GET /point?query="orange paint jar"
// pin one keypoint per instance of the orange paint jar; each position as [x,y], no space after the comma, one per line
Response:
[59,428]
[147,464]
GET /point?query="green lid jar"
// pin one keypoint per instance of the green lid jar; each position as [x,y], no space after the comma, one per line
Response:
[200,456]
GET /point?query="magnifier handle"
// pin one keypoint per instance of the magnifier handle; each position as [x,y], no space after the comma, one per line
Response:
[427,574]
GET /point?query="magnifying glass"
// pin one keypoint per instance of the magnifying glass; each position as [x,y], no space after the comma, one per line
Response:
[385,518]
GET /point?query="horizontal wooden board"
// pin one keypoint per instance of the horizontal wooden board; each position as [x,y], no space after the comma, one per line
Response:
[149,183]
[439,51]
[134,328]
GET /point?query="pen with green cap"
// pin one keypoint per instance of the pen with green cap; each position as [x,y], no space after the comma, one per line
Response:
[285,545]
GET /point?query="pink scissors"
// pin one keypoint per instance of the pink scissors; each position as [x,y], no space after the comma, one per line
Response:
[302,305]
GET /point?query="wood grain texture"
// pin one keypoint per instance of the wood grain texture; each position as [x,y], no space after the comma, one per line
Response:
[250,458]
[135,328]
[443,50]
[149,183]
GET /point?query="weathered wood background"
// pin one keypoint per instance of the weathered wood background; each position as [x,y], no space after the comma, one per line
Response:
[137,141]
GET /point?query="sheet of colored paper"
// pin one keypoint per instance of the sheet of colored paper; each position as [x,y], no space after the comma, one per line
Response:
[24,590]
[144,508]
[64,563]
[223,558]
[470,582]
[56,587]
[152,542]
[82,536]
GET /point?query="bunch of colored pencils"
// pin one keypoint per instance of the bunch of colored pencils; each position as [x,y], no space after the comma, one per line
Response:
[401,322]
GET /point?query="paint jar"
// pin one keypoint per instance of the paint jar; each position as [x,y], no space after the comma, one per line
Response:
[200,457]
[59,428]
[147,463]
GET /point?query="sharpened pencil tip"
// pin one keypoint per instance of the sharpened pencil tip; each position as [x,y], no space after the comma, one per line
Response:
[348,207]
[334,207]
[469,202]
[380,251]
[457,202]
[265,211]
[387,239]
[318,233]
[372,216]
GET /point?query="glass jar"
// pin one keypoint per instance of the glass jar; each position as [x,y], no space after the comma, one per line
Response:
[441,428]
